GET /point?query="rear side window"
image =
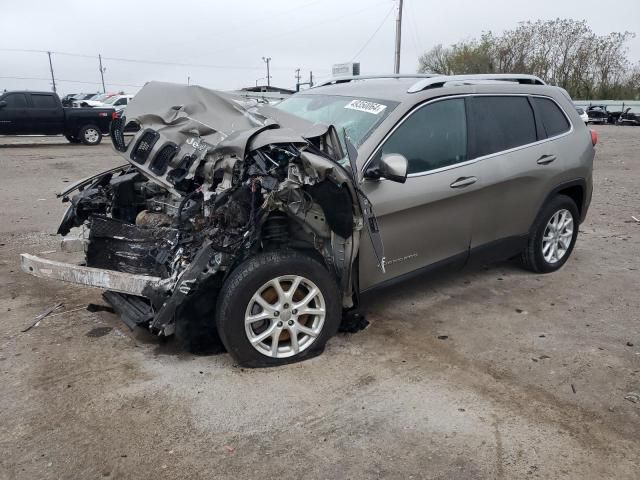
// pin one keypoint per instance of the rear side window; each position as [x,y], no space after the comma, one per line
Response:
[501,123]
[553,120]
[43,101]
[16,100]
[434,136]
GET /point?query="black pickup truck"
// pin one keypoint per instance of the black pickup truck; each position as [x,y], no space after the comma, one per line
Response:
[42,113]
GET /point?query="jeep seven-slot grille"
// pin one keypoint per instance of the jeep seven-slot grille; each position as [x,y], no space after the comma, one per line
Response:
[117,134]
[161,161]
[143,146]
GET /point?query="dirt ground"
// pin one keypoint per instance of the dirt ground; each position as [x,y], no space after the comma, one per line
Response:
[485,373]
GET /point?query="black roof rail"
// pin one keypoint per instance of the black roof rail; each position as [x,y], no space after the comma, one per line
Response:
[438,81]
[335,80]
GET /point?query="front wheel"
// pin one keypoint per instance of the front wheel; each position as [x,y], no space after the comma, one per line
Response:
[90,135]
[277,308]
[553,236]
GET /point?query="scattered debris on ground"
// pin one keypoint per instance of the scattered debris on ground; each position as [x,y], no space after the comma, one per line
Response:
[633,397]
[40,317]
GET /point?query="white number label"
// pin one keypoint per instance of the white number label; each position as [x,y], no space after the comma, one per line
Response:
[365,106]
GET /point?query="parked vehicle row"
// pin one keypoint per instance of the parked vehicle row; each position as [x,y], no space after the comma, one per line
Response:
[100,100]
[601,115]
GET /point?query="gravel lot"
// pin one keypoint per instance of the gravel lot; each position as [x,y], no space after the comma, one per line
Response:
[530,381]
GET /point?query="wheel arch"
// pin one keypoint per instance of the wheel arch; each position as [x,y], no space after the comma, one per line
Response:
[574,189]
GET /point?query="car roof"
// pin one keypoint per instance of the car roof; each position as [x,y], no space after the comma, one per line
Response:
[26,91]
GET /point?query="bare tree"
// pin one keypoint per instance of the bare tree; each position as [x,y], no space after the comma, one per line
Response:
[563,52]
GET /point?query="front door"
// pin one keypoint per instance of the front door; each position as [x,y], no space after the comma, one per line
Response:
[14,115]
[427,219]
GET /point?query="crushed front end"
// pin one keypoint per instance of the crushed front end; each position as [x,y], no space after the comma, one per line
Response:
[210,181]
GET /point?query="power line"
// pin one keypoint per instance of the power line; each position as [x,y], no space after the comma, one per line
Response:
[138,60]
[304,28]
[416,34]
[374,34]
[134,60]
[97,82]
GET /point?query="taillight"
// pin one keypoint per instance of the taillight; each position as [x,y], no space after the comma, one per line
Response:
[114,115]
[594,137]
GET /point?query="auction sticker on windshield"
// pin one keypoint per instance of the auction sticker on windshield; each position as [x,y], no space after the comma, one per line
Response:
[365,106]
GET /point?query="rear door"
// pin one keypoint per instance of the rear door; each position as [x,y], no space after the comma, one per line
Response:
[14,116]
[46,114]
[517,163]
[427,219]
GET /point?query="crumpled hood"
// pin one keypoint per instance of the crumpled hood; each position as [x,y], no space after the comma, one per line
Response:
[193,122]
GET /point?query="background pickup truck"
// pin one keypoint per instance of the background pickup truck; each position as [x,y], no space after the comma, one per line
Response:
[42,113]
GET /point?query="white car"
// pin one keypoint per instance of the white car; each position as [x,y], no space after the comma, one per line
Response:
[95,101]
[119,102]
[583,114]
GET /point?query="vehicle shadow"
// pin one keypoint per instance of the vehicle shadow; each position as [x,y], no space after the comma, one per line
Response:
[170,346]
[419,285]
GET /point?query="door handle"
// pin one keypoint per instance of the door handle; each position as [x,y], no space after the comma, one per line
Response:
[463,182]
[546,159]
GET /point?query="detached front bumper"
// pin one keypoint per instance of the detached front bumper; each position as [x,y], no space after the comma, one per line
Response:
[133,284]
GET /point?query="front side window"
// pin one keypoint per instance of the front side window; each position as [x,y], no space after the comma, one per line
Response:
[501,123]
[553,120]
[43,101]
[434,136]
[16,100]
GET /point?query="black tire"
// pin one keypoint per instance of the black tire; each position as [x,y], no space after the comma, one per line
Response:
[72,139]
[533,258]
[90,135]
[247,279]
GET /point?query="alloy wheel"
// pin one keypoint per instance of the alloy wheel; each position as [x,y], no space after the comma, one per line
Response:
[285,316]
[557,236]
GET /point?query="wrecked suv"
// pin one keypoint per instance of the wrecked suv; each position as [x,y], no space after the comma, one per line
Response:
[255,224]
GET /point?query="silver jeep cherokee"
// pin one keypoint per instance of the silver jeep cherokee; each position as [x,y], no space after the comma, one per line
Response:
[254,224]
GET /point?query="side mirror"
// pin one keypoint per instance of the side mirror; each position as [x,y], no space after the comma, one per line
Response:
[3,103]
[392,166]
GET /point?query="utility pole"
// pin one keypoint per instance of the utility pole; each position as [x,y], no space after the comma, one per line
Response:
[102,70]
[188,81]
[297,79]
[53,78]
[267,60]
[310,79]
[396,65]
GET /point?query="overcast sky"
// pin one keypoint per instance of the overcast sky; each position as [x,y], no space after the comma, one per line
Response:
[231,37]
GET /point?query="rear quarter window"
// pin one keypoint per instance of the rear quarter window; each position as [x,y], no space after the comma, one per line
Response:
[500,123]
[553,119]
[43,101]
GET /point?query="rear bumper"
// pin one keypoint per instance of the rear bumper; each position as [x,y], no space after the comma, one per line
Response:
[122,282]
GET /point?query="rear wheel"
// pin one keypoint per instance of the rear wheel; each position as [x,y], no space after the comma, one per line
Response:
[553,236]
[90,135]
[277,308]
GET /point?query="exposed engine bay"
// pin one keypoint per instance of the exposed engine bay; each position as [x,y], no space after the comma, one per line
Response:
[210,181]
